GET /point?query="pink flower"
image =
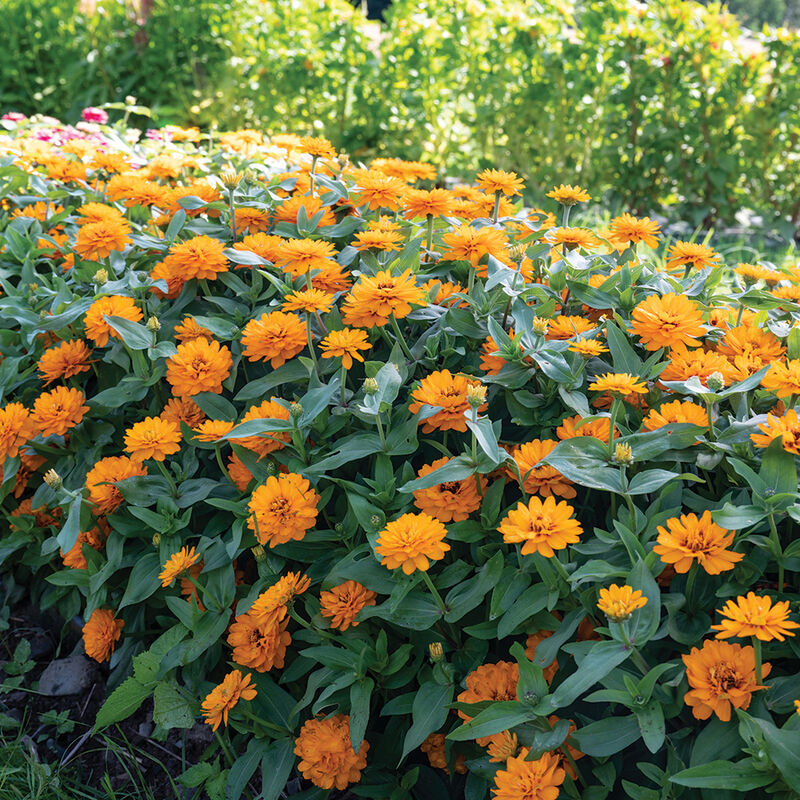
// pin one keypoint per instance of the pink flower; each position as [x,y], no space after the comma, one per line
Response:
[14,116]
[94,114]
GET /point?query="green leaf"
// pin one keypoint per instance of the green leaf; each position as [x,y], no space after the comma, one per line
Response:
[487,439]
[530,602]
[778,469]
[646,619]
[428,713]
[623,356]
[170,708]
[651,724]
[389,383]
[607,736]
[500,716]
[290,372]
[456,469]
[532,686]
[71,528]
[584,460]
[135,336]
[782,746]
[599,661]
[143,580]
[742,775]
[736,518]
[121,703]
[243,769]
[466,595]
[215,406]
[276,766]
[653,479]
[360,694]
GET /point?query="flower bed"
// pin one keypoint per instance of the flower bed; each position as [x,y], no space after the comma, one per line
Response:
[407,490]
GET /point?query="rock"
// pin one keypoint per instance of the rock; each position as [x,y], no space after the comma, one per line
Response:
[64,676]
[145,729]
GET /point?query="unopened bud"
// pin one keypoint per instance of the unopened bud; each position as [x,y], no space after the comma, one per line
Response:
[130,100]
[623,454]
[52,479]
[517,251]
[540,325]
[339,527]
[156,539]
[230,178]
[375,521]
[259,553]
[295,410]
[153,325]
[436,651]
[33,286]
[271,468]
[370,386]
[716,381]
[476,395]
[100,277]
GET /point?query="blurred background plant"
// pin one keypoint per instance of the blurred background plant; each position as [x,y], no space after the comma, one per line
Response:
[666,103]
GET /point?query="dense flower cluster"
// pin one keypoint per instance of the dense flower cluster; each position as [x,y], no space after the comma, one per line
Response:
[370,472]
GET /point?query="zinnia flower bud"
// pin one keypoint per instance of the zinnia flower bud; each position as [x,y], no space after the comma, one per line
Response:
[375,520]
[259,553]
[540,325]
[295,410]
[100,277]
[33,287]
[156,539]
[370,386]
[153,325]
[623,454]
[476,395]
[436,651]
[231,179]
[517,251]
[52,479]
[716,381]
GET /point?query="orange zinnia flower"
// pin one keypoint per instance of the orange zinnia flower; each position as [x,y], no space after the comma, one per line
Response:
[495,180]
[786,428]
[675,412]
[538,780]
[200,257]
[540,478]
[755,615]
[721,675]
[268,441]
[496,682]
[419,203]
[101,634]
[177,564]
[240,475]
[466,243]
[308,300]
[270,606]
[256,646]
[276,337]
[691,254]
[755,272]
[373,300]
[682,364]
[378,191]
[566,327]
[411,542]
[300,256]
[283,509]
[198,366]
[182,409]
[94,537]
[575,426]
[434,749]
[345,344]
[263,245]
[627,229]
[572,238]
[666,321]
[588,348]
[211,430]
[16,427]
[64,360]
[378,239]
[251,220]
[783,379]
[103,475]
[342,603]
[619,602]
[59,410]
[449,393]
[568,195]
[542,526]
[748,340]
[97,329]
[451,501]
[619,384]
[99,239]
[154,438]
[503,746]
[222,698]
[190,329]
[326,755]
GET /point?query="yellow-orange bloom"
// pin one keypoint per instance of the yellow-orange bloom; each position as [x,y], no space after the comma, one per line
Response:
[434,749]
[211,430]
[572,238]
[503,746]
[678,411]
[200,257]
[496,682]
[755,615]
[568,326]
[588,348]
[103,475]
[541,526]
[258,646]
[283,509]
[189,329]
[451,501]
[539,478]
[785,428]
[342,603]
[721,675]
[619,602]
[748,340]
[571,427]
[783,379]
[58,410]
[620,384]
[419,203]
[684,363]
[182,409]
[308,300]
[198,366]
[568,195]
[326,755]
[16,428]
[495,180]
[101,634]
[95,537]
[374,299]
[447,392]
[627,229]
[345,344]
[412,542]
[300,256]
[378,191]
[222,698]
[177,564]
[691,254]
[276,337]
[666,321]
[100,239]
[153,437]
[97,329]
[537,780]
[466,243]
[64,360]
[688,539]
[270,605]
[755,272]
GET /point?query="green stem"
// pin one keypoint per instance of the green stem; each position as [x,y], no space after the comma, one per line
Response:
[381,434]
[308,626]
[709,406]
[690,581]
[313,175]
[229,757]
[615,406]
[560,569]
[434,592]
[233,215]
[429,236]
[401,339]
[221,463]
[170,480]
[565,216]
[776,542]
[757,653]
[496,210]
[471,280]
[204,590]
[344,384]
[311,344]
